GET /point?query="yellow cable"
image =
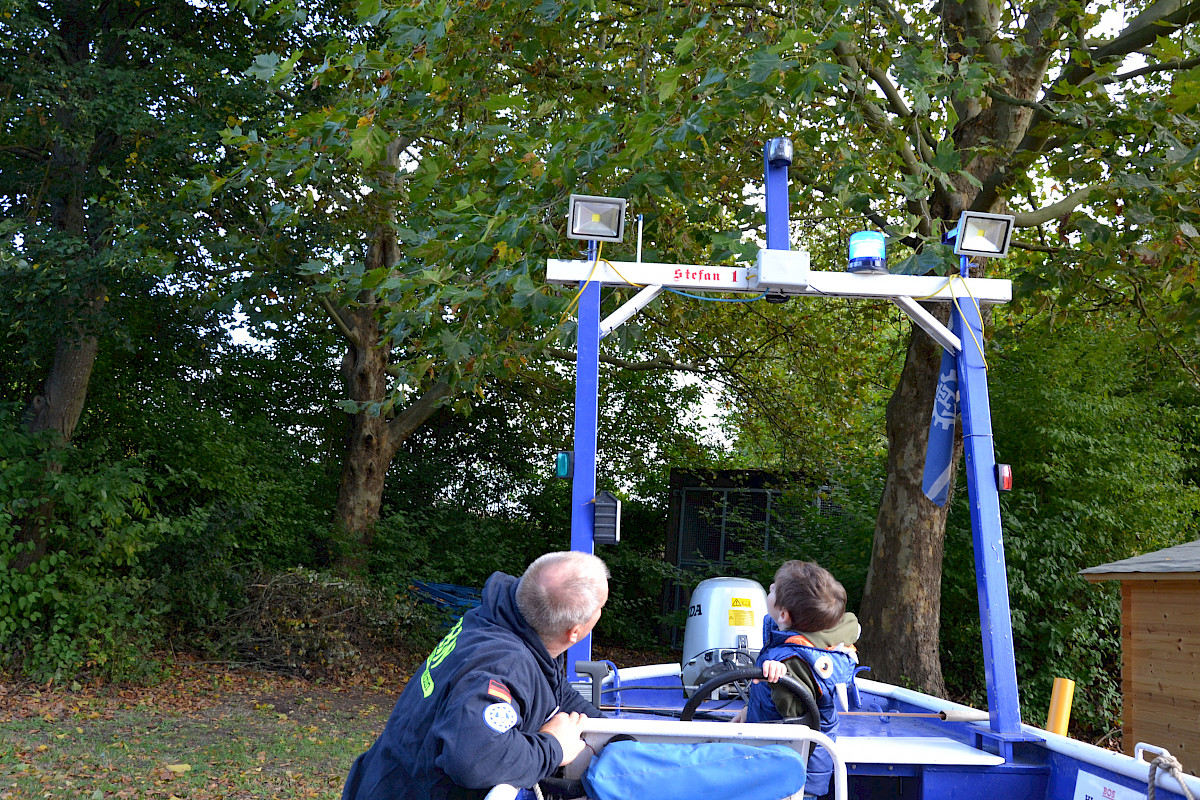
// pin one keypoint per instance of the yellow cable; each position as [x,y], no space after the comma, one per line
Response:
[575,299]
[622,277]
[939,291]
[950,283]
[978,346]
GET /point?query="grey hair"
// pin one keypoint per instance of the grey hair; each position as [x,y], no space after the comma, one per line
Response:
[561,590]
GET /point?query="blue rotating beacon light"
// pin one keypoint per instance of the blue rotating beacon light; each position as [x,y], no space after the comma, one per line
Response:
[868,253]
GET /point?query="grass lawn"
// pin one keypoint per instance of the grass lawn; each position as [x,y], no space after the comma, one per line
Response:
[203,732]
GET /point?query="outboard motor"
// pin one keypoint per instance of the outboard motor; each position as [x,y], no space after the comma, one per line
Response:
[724,629]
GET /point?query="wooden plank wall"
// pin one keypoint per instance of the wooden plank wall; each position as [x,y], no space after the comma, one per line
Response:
[1160,674]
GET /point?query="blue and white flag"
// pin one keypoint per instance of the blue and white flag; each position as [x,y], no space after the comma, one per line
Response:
[939,453]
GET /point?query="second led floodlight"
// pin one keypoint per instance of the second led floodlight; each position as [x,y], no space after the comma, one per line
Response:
[983,234]
[599,219]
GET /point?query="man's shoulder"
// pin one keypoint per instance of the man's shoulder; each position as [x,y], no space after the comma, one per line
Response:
[494,648]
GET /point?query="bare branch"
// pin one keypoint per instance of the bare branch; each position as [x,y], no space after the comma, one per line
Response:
[909,33]
[1174,65]
[660,363]
[875,217]
[899,107]
[337,318]
[1161,19]
[1041,108]
[24,152]
[1030,219]
[1035,248]
[1161,336]
[404,424]
[882,123]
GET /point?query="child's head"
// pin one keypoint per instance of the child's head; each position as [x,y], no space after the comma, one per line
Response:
[813,599]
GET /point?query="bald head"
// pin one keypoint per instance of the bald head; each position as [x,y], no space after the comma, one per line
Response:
[561,594]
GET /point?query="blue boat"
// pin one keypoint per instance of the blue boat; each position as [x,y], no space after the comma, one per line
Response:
[894,743]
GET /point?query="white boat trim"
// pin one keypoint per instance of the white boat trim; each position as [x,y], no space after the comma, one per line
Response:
[936,750]
[1118,763]
[631,674]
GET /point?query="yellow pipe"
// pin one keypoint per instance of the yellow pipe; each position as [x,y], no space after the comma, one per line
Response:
[1060,706]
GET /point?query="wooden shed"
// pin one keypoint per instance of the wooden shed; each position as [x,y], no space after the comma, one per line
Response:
[1160,649]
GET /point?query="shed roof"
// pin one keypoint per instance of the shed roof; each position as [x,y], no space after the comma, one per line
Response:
[1179,562]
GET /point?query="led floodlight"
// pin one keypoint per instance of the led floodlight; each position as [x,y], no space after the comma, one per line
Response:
[982,234]
[600,219]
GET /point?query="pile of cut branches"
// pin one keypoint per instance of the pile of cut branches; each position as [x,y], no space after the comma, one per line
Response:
[317,624]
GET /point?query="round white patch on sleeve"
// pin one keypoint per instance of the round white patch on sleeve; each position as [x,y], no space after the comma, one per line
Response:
[823,666]
[500,716]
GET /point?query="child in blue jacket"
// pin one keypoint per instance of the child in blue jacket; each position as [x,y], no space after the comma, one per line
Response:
[809,635]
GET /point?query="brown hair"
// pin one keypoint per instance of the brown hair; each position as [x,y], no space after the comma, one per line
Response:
[813,598]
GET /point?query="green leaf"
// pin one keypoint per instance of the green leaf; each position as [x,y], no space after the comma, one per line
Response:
[372,279]
[548,10]
[669,83]
[946,158]
[264,67]
[932,259]
[368,143]
[764,65]
[686,44]
[366,10]
[714,76]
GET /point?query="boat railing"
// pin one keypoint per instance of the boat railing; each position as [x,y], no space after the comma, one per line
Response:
[597,731]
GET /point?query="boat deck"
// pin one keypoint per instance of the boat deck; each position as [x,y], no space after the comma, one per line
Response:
[892,756]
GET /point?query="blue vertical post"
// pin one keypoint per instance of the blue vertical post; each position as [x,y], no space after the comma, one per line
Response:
[587,414]
[984,497]
[777,157]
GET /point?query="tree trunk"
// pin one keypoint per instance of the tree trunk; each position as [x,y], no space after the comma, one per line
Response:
[901,607]
[56,408]
[59,404]
[369,447]
[373,438]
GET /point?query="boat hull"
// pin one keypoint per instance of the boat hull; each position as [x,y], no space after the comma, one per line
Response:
[897,745]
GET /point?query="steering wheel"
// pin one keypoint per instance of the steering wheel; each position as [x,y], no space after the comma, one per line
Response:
[811,717]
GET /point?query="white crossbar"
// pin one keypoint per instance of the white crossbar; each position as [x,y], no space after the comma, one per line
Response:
[820,284]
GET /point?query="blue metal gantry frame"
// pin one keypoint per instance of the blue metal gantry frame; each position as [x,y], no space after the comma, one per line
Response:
[983,494]
[587,415]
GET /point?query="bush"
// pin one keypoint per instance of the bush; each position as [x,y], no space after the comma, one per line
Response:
[450,545]
[1102,472]
[86,605]
[201,568]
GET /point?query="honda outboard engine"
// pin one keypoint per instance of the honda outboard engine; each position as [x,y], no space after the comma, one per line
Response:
[724,629]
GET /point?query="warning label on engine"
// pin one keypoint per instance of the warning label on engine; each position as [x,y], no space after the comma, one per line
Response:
[740,602]
[741,617]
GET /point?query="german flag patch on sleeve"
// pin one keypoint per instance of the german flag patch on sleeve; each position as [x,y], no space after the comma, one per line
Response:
[497,689]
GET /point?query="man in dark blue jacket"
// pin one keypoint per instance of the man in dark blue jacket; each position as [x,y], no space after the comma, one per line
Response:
[491,704]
